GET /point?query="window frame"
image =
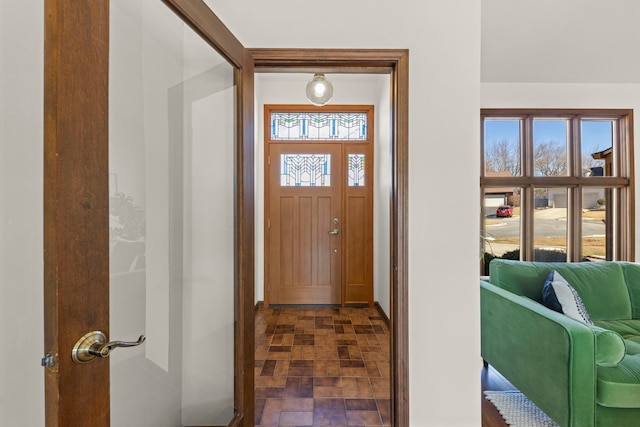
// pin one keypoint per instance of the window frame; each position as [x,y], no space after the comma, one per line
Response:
[620,235]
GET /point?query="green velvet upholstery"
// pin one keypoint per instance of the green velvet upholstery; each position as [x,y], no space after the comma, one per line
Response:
[610,347]
[594,282]
[580,375]
[632,278]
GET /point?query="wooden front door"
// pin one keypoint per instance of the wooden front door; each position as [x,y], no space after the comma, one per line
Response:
[319,206]
[306,216]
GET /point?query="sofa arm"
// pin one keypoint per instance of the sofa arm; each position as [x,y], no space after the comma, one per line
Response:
[548,356]
[610,347]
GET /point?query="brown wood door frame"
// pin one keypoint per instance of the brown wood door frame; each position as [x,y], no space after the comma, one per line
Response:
[76,203]
[349,233]
[394,62]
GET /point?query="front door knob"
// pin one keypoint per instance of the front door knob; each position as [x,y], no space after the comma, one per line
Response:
[94,344]
[334,232]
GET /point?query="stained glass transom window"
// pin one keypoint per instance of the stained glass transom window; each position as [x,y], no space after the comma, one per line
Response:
[356,170]
[305,170]
[347,126]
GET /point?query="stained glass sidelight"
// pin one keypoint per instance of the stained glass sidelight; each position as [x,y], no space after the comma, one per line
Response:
[305,170]
[348,126]
[356,170]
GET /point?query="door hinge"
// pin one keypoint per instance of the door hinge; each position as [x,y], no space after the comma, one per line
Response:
[269,160]
[269,224]
[269,287]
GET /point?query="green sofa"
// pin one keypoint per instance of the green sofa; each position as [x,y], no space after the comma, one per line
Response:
[580,375]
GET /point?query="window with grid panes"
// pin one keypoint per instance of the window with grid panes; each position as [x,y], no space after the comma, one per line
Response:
[556,185]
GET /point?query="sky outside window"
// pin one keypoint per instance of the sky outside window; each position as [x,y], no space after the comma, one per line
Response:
[502,146]
[550,147]
[597,135]
[502,136]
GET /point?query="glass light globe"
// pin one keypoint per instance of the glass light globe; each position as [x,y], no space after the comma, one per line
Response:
[319,90]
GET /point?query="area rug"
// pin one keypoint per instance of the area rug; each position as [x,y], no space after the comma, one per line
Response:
[517,410]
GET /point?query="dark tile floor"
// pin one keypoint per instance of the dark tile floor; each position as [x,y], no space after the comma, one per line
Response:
[321,367]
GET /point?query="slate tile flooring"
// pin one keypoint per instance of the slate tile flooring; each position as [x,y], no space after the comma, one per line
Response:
[321,367]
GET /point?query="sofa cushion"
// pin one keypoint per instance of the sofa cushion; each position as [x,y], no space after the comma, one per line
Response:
[520,278]
[595,282]
[602,287]
[631,272]
[628,329]
[560,296]
[618,386]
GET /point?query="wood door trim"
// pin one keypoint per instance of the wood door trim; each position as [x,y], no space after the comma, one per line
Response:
[375,61]
[400,241]
[369,61]
[245,243]
[203,21]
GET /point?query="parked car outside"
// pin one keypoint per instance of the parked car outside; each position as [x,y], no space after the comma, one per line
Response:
[504,211]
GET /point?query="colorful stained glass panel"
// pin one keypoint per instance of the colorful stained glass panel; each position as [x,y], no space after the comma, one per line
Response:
[305,170]
[347,126]
[356,170]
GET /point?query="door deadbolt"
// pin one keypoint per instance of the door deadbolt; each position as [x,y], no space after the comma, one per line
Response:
[94,344]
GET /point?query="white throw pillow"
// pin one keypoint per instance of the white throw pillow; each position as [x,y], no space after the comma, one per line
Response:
[557,287]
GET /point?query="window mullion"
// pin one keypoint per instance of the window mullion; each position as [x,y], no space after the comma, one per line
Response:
[623,203]
[483,163]
[527,200]
[527,205]
[618,166]
[526,152]
[574,224]
[574,194]
[575,147]
[613,223]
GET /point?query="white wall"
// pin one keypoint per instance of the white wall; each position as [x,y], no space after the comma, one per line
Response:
[568,41]
[563,95]
[444,41]
[361,89]
[208,357]
[21,273]
[381,202]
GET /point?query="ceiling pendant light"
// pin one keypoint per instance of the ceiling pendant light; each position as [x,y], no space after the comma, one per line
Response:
[319,90]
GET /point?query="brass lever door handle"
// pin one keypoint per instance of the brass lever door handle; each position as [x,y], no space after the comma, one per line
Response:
[334,232]
[94,344]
